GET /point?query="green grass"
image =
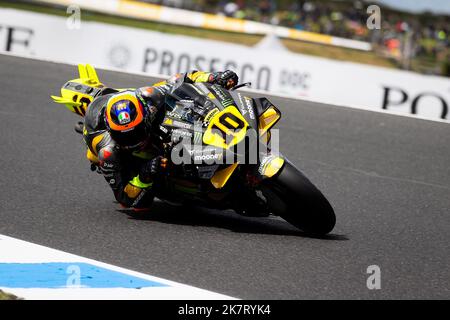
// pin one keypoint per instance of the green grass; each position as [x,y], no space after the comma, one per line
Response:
[337,53]
[7,296]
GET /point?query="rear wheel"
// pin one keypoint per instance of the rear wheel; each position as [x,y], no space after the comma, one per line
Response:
[293,197]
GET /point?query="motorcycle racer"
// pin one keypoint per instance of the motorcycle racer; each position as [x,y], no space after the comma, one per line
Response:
[122,132]
[131,134]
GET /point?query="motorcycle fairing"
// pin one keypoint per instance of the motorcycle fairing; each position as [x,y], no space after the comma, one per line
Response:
[221,177]
[77,94]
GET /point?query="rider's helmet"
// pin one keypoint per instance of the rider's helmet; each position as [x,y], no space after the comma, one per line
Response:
[125,118]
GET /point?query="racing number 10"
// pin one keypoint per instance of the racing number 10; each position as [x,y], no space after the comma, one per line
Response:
[226,129]
[231,123]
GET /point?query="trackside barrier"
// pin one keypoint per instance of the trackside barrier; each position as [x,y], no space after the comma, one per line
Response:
[147,11]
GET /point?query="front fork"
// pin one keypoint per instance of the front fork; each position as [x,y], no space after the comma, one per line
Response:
[269,166]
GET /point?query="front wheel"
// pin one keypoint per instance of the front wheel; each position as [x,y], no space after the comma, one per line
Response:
[293,197]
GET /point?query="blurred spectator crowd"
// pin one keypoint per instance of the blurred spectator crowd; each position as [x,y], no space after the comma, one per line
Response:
[403,36]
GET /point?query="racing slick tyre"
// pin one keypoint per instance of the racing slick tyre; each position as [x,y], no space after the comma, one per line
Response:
[294,198]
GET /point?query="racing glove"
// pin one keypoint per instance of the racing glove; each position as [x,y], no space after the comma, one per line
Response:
[152,168]
[227,79]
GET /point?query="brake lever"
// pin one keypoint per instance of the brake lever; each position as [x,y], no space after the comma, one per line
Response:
[245,84]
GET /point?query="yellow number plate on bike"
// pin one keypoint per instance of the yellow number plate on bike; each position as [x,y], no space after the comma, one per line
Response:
[226,129]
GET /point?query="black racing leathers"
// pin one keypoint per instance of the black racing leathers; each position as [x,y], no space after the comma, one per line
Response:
[122,168]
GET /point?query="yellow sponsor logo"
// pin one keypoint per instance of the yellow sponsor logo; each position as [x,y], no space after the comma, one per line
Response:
[121,106]
[211,114]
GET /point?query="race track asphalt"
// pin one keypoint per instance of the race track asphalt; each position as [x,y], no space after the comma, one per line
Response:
[387,177]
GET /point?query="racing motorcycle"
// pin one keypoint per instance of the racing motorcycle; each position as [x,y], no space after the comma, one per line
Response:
[221,153]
